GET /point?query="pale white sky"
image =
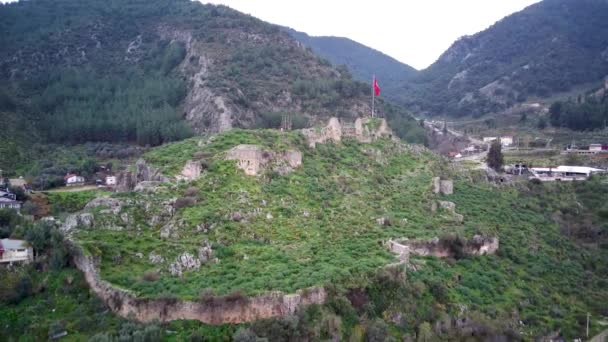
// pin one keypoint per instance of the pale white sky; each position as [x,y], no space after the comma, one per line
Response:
[415,32]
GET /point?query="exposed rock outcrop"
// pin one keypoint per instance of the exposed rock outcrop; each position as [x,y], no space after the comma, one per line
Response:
[192,170]
[84,220]
[128,180]
[217,310]
[113,205]
[184,262]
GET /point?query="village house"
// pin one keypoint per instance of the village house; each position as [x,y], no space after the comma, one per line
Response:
[563,173]
[18,183]
[111,181]
[15,251]
[7,194]
[72,179]
[506,141]
[595,147]
[7,203]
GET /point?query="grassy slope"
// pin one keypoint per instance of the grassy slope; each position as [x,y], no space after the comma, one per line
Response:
[342,189]
[539,275]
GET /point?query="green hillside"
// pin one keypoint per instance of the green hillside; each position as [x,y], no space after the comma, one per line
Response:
[547,48]
[151,72]
[317,225]
[310,227]
[361,60]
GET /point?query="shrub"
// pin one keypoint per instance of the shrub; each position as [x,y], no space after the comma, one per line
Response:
[377,331]
[191,192]
[244,335]
[184,202]
[151,275]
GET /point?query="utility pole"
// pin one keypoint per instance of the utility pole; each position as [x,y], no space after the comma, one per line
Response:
[587,325]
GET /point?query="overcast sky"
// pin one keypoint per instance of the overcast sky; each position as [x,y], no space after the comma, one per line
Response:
[415,32]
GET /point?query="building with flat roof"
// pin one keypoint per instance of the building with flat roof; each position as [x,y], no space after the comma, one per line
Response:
[563,173]
[15,251]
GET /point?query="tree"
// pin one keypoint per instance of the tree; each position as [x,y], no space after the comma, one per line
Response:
[542,123]
[495,157]
[425,332]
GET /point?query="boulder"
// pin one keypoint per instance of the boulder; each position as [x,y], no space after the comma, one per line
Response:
[155,258]
[192,170]
[184,262]
[84,220]
[446,187]
[114,205]
[205,253]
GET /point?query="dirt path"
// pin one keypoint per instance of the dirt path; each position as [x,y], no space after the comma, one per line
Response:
[74,188]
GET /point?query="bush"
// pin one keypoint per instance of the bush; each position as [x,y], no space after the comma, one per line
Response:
[244,335]
[151,275]
[191,192]
[377,331]
[184,202]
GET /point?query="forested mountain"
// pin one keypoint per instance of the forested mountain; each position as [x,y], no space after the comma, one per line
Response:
[363,61]
[154,71]
[547,48]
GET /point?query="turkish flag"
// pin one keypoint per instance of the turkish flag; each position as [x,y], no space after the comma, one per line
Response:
[376,87]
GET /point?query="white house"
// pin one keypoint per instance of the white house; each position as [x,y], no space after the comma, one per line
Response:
[489,139]
[595,147]
[15,251]
[73,179]
[507,140]
[111,181]
[9,203]
[563,173]
[7,194]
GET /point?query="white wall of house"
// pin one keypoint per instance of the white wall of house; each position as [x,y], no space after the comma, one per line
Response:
[74,180]
[111,180]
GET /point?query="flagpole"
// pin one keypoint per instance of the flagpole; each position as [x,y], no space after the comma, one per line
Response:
[373,94]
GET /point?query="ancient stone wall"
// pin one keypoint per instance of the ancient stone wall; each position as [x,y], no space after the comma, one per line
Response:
[128,180]
[443,248]
[252,159]
[192,170]
[362,130]
[443,186]
[217,310]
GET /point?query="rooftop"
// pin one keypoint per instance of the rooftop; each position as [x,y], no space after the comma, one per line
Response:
[7,244]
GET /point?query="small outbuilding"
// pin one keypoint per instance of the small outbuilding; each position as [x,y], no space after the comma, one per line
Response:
[72,179]
[9,203]
[15,251]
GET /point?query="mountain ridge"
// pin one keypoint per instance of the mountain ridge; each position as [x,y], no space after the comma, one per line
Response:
[549,47]
[362,61]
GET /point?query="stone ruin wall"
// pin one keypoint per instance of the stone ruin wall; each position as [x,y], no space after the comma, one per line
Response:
[443,186]
[478,245]
[252,159]
[218,310]
[335,131]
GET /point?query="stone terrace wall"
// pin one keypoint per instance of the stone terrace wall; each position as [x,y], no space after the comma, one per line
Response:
[218,310]
[478,245]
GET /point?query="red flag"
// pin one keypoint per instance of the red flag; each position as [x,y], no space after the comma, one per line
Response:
[376,87]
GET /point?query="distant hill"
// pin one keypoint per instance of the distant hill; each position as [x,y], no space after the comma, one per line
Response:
[361,60]
[157,71]
[547,48]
